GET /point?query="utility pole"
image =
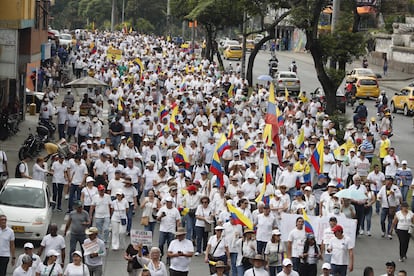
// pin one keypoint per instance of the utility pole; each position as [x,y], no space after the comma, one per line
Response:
[168,18]
[123,11]
[243,61]
[335,16]
[113,16]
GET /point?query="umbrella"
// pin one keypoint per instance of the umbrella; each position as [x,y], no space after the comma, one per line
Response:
[86,82]
[265,78]
[351,194]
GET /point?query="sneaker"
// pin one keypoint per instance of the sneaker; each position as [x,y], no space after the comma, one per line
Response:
[59,210]
[361,232]
[401,260]
[66,197]
[389,237]
[369,233]
[197,254]
[382,234]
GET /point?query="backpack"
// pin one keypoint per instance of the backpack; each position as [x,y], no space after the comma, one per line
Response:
[17,173]
[384,100]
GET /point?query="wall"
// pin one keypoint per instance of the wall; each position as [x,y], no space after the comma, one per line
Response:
[17,14]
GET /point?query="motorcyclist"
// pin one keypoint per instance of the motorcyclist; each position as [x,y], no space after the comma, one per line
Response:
[365,62]
[273,63]
[382,102]
[293,67]
[350,92]
[230,68]
[361,112]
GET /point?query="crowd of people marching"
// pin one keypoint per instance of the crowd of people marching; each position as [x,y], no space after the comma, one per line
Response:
[190,153]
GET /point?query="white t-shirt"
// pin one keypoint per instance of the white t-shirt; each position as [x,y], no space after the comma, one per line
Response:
[119,207]
[88,195]
[169,221]
[59,170]
[57,243]
[44,270]
[20,272]
[36,261]
[6,235]
[102,205]
[115,185]
[76,270]
[404,221]
[265,225]
[257,272]
[298,238]
[129,193]
[203,212]
[78,173]
[340,250]
[326,238]
[292,273]
[221,248]
[181,263]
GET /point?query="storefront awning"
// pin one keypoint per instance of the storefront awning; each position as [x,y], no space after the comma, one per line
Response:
[366,10]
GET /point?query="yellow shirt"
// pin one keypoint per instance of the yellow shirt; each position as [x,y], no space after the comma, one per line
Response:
[384,146]
[298,167]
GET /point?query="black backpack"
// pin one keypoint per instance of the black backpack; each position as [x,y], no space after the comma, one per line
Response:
[17,173]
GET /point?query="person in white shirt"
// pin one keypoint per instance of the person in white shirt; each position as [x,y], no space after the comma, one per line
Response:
[60,178]
[94,260]
[402,222]
[359,204]
[8,249]
[101,210]
[119,210]
[266,222]
[170,219]
[342,252]
[77,177]
[217,248]
[391,162]
[28,251]
[326,238]
[54,242]
[376,179]
[287,269]
[390,198]
[328,160]
[115,184]
[180,252]
[258,268]
[296,242]
[25,269]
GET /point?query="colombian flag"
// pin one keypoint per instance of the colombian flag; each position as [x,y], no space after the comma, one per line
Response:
[181,157]
[308,225]
[215,168]
[183,85]
[272,119]
[239,217]
[163,112]
[317,157]
[249,146]
[173,118]
[230,132]
[300,142]
[267,135]
[267,178]
[230,93]
[222,145]
[280,119]
[121,104]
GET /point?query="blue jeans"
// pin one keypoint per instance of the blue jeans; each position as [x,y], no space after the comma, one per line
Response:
[74,194]
[367,218]
[274,270]
[291,193]
[240,270]
[201,236]
[103,228]
[150,226]
[339,269]
[74,239]
[233,258]
[384,216]
[61,130]
[57,194]
[115,140]
[129,216]
[404,192]
[189,227]
[296,263]
[261,245]
[165,238]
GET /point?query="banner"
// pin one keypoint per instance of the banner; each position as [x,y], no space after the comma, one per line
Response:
[319,224]
[89,248]
[141,237]
[113,54]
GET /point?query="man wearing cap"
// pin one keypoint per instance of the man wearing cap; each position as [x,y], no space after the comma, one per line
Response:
[94,251]
[342,252]
[60,178]
[100,211]
[148,178]
[404,177]
[208,150]
[391,162]
[288,178]
[296,242]
[326,269]
[170,219]
[82,130]
[28,250]
[287,269]
[326,238]
[115,184]
[390,269]
[77,175]
[318,190]
[100,168]
[385,144]
[78,221]
[390,198]
[135,173]
[72,123]
[326,202]
[180,252]
[249,188]
[258,268]
[25,268]
[368,147]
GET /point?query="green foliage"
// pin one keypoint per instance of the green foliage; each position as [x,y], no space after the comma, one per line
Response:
[144,26]
[340,121]
[335,75]
[389,20]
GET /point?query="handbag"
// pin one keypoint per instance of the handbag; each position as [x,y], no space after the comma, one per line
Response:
[123,221]
[210,255]
[145,220]
[130,266]
[391,209]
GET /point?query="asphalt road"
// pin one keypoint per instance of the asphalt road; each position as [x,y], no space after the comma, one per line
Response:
[370,251]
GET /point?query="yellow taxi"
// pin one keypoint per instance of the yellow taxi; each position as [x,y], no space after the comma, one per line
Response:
[367,87]
[403,100]
[361,72]
[249,45]
[233,52]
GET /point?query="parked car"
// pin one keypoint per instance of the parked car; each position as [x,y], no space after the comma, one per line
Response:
[26,203]
[289,80]
[249,45]
[319,93]
[233,52]
[403,100]
[367,87]
[65,40]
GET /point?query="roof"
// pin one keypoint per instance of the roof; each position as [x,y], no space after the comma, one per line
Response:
[31,183]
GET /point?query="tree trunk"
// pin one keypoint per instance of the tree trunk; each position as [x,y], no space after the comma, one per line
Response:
[257,47]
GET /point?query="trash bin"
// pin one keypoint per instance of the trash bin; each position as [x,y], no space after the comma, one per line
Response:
[32,109]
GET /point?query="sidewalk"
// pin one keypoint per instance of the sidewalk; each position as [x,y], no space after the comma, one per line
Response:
[394,80]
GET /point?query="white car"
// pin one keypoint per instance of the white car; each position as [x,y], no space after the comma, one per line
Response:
[26,203]
[65,40]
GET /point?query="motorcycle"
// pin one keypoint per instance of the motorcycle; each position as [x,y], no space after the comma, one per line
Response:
[350,98]
[361,122]
[273,68]
[31,146]
[50,126]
